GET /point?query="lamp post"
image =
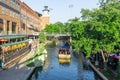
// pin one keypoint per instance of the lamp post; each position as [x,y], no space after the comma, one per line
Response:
[70,7]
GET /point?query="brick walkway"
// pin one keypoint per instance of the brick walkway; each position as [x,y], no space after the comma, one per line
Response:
[19,71]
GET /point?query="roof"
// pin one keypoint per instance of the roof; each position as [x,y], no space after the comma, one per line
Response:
[9,44]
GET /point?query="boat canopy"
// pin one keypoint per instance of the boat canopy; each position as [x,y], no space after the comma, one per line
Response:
[66,47]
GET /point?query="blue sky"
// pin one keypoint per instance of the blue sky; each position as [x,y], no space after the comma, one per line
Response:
[60,8]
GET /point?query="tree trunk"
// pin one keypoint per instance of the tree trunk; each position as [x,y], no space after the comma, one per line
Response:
[104,60]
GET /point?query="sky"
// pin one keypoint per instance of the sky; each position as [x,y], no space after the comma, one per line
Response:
[62,10]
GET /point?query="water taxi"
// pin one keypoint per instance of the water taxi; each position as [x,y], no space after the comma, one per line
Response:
[64,52]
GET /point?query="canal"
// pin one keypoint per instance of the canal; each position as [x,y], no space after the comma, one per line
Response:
[53,70]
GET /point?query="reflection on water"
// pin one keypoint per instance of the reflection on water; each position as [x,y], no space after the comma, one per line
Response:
[56,69]
[63,61]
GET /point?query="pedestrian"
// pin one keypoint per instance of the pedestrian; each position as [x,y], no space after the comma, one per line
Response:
[17,65]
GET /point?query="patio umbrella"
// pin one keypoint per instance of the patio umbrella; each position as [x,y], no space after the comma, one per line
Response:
[3,40]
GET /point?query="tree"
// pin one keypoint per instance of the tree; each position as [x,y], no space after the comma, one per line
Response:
[98,30]
[42,37]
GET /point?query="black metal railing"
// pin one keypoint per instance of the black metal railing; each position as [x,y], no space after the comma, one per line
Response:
[15,54]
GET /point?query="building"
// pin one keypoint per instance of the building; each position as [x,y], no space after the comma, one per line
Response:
[9,17]
[17,18]
[30,20]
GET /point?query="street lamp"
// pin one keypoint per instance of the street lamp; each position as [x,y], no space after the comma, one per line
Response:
[71,6]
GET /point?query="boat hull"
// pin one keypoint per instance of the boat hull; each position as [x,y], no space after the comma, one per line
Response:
[64,56]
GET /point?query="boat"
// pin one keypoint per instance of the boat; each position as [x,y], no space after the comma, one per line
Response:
[64,52]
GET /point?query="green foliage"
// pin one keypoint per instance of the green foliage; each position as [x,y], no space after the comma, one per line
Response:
[107,73]
[42,37]
[42,47]
[31,64]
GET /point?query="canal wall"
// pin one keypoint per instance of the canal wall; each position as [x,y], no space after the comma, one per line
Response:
[84,60]
[98,72]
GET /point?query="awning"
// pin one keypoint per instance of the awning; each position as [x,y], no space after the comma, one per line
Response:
[31,26]
[10,44]
[12,37]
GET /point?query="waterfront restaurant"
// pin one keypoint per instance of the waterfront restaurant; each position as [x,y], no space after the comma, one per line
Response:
[18,24]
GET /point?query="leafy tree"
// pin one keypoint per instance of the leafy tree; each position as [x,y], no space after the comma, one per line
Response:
[98,30]
[42,37]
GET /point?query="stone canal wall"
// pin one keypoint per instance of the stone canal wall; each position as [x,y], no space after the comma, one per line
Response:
[98,72]
[84,60]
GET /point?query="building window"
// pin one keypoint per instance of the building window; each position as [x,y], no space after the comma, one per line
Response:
[3,1]
[12,3]
[17,5]
[11,13]
[13,27]
[6,11]
[18,15]
[1,25]
[3,10]
[23,26]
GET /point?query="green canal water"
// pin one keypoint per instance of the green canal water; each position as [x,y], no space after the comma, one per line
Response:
[53,70]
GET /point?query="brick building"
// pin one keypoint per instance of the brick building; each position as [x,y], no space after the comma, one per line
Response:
[30,21]
[17,18]
[9,17]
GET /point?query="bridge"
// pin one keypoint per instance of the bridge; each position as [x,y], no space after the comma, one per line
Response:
[57,34]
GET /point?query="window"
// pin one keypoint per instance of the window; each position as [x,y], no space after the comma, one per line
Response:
[3,1]
[12,3]
[6,11]
[7,2]
[18,5]
[1,25]
[3,10]
[17,15]
[13,27]
[11,13]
